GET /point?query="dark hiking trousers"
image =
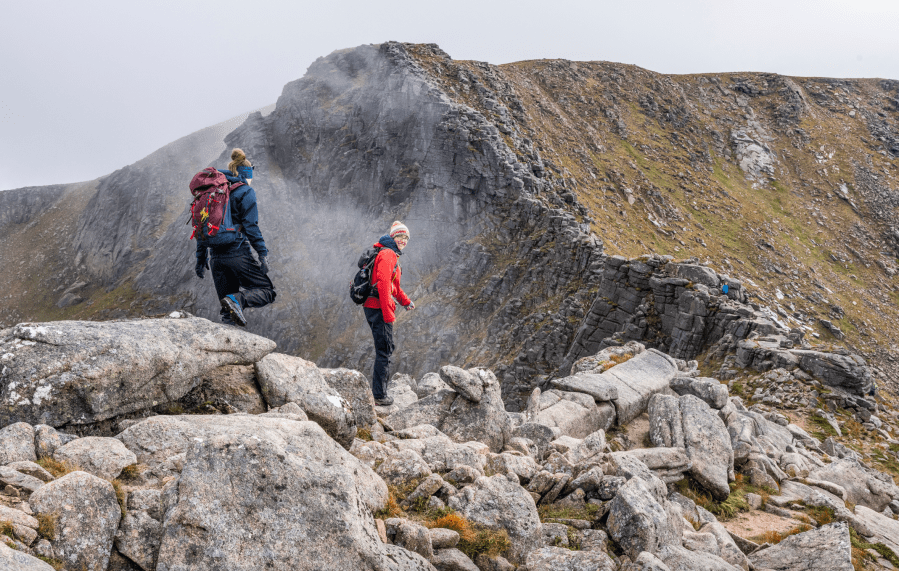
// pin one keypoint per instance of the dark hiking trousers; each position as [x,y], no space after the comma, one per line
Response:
[241,276]
[383,335]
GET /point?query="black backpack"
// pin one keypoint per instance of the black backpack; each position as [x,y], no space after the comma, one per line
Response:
[361,287]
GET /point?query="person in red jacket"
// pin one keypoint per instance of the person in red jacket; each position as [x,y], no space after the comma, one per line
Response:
[380,306]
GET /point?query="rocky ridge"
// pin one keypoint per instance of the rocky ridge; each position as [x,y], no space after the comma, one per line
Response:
[633,461]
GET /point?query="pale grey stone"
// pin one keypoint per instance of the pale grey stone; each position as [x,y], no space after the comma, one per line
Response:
[442,538]
[555,534]
[708,446]
[429,384]
[354,387]
[47,439]
[14,560]
[31,469]
[485,421]
[284,378]
[370,453]
[523,466]
[884,529]
[138,539]
[577,419]
[646,561]
[102,457]
[709,390]
[590,448]
[11,477]
[861,484]
[418,432]
[602,389]
[17,517]
[561,559]
[565,443]
[588,481]
[453,560]
[669,464]
[637,521]
[464,475]
[466,383]
[428,410]
[594,540]
[251,495]
[727,547]
[496,503]
[403,466]
[88,515]
[149,500]
[599,362]
[410,535]
[427,488]
[17,443]
[827,548]
[677,558]
[541,435]
[442,454]
[81,372]
[700,541]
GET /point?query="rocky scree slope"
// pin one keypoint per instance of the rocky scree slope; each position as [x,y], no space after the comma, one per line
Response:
[632,462]
[519,182]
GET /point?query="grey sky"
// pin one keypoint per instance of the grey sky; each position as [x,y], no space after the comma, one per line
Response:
[91,86]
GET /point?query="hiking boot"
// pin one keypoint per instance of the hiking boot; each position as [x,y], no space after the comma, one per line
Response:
[385,401]
[230,303]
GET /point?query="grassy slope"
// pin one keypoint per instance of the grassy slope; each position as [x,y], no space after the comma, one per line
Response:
[777,233]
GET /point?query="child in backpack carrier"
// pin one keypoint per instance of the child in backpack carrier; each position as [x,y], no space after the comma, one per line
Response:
[240,281]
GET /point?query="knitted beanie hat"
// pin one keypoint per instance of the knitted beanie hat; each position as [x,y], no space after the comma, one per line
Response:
[399,230]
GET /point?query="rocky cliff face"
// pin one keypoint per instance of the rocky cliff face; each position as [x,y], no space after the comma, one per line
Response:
[518,183]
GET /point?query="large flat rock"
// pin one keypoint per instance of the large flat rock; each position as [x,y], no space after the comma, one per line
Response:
[824,549]
[81,372]
[628,385]
[273,493]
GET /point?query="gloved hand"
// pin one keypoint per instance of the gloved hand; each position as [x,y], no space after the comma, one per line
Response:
[263,264]
[201,267]
[410,307]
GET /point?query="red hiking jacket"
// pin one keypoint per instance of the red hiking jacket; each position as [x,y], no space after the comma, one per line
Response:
[387,281]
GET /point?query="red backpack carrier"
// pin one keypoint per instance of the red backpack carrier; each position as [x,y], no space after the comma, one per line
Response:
[210,211]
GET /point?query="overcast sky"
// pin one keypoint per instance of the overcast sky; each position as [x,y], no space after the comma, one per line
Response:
[91,86]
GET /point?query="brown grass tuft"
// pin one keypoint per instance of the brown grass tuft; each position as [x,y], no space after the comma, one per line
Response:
[473,539]
[774,537]
[56,468]
[130,472]
[391,508]
[7,529]
[46,527]
[120,495]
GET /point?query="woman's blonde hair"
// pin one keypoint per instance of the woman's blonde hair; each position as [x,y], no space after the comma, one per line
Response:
[238,159]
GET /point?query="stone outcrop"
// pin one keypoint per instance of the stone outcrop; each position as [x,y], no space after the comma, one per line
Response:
[460,418]
[285,379]
[827,548]
[628,386]
[82,372]
[277,482]
[84,529]
[499,504]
